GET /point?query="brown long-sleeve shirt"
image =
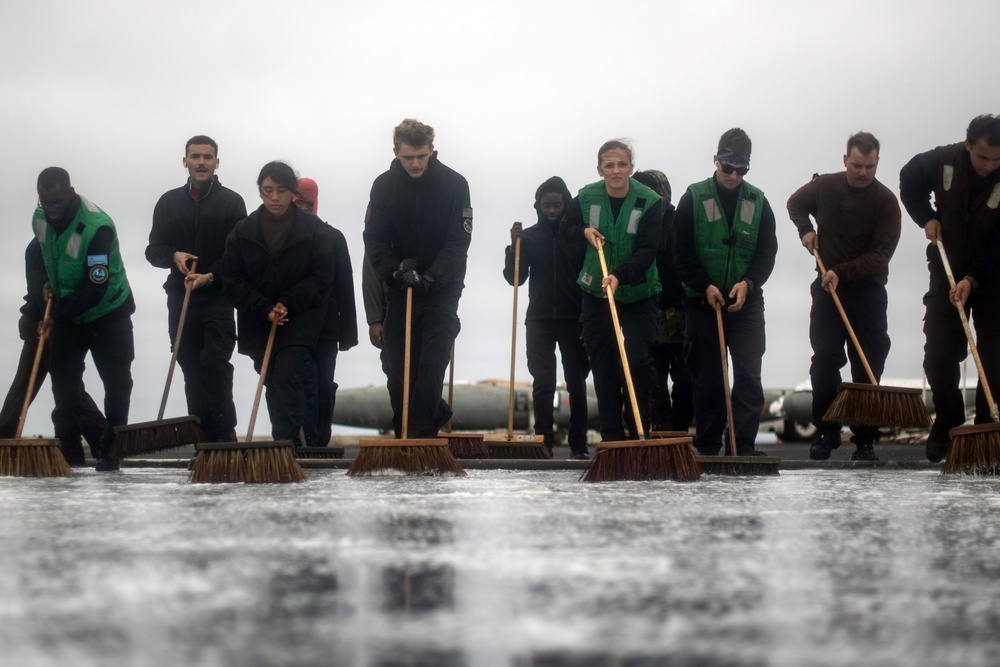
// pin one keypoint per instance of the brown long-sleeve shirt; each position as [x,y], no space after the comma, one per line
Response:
[858,228]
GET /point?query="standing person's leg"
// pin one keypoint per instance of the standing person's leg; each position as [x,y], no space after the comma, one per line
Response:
[215,361]
[285,393]
[67,351]
[827,336]
[702,356]
[866,307]
[638,322]
[605,363]
[540,343]
[660,404]
[574,364]
[986,320]
[113,348]
[326,366]
[393,343]
[746,342]
[188,358]
[944,350]
[682,408]
[11,411]
[92,421]
[439,326]
[311,397]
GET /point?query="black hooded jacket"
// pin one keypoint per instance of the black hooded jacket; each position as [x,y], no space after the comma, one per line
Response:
[552,263]
[299,277]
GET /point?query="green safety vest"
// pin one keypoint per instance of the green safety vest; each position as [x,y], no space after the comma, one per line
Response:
[67,266]
[725,252]
[619,235]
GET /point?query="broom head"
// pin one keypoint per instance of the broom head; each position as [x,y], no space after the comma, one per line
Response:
[644,460]
[249,462]
[878,405]
[412,456]
[517,446]
[466,445]
[974,450]
[33,457]
[156,436]
[740,466]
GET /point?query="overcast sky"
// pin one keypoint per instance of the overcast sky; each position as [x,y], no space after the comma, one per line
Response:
[517,91]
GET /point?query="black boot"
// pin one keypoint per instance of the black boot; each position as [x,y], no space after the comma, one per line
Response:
[73,451]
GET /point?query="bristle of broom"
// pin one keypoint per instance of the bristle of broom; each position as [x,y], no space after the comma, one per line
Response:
[740,466]
[517,447]
[974,450]
[33,458]
[413,456]
[157,436]
[876,405]
[466,445]
[250,463]
[644,460]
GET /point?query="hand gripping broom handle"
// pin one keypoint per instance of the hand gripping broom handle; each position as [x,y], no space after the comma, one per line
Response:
[177,341]
[34,371]
[847,324]
[406,363]
[994,413]
[725,380]
[260,381]
[621,344]
[513,338]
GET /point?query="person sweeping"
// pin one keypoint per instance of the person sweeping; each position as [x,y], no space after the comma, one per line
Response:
[858,222]
[724,248]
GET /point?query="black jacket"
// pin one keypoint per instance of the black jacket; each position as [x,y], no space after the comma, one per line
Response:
[672,289]
[341,320]
[199,227]
[298,277]
[428,219]
[553,265]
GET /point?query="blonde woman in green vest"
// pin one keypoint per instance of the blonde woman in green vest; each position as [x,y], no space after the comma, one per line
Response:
[626,216]
[724,248]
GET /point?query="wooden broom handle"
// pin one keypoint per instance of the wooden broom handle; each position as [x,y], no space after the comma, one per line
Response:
[621,344]
[406,363]
[725,380]
[451,388]
[188,286]
[34,370]
[260,381]
[513,339]
[994,413]
[847,324]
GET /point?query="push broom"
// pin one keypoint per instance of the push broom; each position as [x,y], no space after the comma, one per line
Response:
[734,464]
[510,446]
[974,449]
[462,445]
[34,457]
[642,459]
[162,434]
[417,456]
[248,461]
[873,404]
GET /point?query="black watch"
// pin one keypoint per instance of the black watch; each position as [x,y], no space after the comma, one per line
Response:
[749,284]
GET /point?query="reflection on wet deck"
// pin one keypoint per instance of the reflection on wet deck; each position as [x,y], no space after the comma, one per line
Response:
[501,568]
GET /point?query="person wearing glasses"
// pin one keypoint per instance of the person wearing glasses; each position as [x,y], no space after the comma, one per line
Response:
[858,222]
[724,249]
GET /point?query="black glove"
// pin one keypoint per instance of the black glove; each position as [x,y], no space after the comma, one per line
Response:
[404,266]
[410,279]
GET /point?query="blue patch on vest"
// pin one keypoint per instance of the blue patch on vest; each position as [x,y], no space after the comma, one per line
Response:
[98,274]
[97,260]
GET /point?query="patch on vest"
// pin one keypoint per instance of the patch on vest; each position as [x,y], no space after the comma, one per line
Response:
[711,210]
[594,216]
[467,223]
[633,221]
[97,260]
[586,279]
[747,209]
[98,274]
[994,199]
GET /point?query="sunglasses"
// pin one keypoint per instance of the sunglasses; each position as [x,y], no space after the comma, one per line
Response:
[728,169]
